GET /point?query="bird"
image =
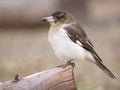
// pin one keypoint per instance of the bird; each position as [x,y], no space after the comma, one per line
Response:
[70,42]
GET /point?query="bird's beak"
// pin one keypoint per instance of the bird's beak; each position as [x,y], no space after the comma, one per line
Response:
[49,19]
[44,19]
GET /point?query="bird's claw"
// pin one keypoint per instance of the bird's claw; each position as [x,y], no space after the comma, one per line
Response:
[70,63]
[67,63]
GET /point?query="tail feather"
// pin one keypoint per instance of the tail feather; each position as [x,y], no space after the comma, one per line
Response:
[105,69]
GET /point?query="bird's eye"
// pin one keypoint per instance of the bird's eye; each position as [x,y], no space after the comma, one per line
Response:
[60,16]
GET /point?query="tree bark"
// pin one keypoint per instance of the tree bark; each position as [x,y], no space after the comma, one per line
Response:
[59,78]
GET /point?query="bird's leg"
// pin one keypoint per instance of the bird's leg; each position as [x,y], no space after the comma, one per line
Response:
[69,62]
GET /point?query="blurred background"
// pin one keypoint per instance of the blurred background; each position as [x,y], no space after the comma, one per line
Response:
[24,47]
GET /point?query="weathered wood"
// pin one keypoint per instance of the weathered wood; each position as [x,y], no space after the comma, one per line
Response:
[60,78]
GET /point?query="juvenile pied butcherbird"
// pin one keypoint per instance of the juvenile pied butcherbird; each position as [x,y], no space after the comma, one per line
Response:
[70,42]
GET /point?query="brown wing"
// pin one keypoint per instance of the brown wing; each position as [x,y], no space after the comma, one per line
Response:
[76,33]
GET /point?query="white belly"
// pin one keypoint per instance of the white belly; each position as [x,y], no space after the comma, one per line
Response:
[64,48]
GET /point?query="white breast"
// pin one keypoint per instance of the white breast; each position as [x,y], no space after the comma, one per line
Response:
[64,47]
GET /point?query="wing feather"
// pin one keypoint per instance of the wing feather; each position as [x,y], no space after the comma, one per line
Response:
[76,33]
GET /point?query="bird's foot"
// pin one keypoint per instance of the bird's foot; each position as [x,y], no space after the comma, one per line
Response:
[70,63]
[67,63]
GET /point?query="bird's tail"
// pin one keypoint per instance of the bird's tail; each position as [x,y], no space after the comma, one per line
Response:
[105,69]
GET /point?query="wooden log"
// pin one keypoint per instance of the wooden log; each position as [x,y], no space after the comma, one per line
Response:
[59,78]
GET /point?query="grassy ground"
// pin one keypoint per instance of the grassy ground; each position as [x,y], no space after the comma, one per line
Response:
[24,51]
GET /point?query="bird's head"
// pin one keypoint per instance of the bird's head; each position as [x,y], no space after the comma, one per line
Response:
[59,17]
